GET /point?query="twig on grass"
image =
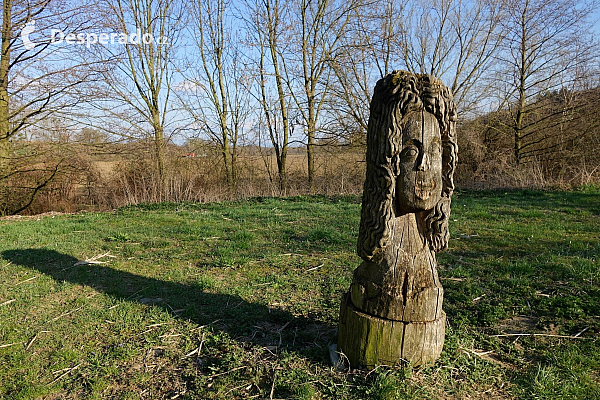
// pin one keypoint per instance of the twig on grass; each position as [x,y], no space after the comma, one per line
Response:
[476,353]
[347,362]
[476,299]
[33,339]
[31,342]
[540,334]
[373,370]
[281,330]
[94,260]
[584,329]
[197,350]
[146,358]
[26,280]
[7,302]
[273,385]
[67,313]
[313,268]
[226,372]
[239,387]
[204,326]
[7,345]
[117,305]
[168,335]
[60,371]
[284,326]
[65,374]
[151,327]
[264,284]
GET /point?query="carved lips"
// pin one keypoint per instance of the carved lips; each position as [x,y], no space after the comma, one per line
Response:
[424,190]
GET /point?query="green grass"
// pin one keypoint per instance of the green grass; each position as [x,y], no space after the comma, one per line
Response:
[237,300]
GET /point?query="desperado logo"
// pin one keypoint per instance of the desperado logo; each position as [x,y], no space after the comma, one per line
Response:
[28,29]
[88,39]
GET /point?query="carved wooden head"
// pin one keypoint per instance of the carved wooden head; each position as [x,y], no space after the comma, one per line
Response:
[418,166]
[411,155]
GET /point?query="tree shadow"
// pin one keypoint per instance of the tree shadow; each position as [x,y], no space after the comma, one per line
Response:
[244,321]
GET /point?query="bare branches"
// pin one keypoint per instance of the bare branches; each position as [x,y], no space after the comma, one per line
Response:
[216,93]
[542,51]
[39,79]
[268,26]
[141,76]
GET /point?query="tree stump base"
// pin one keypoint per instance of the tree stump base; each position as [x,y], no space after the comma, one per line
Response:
[368,341]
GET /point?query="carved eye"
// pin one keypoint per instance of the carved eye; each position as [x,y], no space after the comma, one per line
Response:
[411,152]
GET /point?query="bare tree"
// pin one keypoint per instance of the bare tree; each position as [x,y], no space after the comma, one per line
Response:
[139,80]
[315,40]
[268,22]
[367,52]
[38,79]
[454,40]
[545,48]
[216,90]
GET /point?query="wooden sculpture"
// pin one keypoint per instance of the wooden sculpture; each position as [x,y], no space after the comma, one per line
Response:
[393,314]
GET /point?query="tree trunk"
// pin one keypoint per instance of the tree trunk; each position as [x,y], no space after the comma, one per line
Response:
[234,165]
[4,106]
[310,149]
[159,153]
[518,126]
[518,146]
[523,71]
[281,163]
[274,48]
[227,162]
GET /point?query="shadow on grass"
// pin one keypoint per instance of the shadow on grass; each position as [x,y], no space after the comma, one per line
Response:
[242,320]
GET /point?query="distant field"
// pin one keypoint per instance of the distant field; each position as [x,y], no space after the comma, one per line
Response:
[239,300]
[296,163]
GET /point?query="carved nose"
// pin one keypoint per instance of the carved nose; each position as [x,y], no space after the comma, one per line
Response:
[423,163]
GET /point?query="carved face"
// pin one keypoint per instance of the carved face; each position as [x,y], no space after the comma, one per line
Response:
[419,181]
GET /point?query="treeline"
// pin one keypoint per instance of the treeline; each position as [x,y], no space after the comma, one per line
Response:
[254,88]
[556,144]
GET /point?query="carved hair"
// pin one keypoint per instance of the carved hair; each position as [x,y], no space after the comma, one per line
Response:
[394,98]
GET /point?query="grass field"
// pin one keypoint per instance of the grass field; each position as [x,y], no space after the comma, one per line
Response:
[240,300]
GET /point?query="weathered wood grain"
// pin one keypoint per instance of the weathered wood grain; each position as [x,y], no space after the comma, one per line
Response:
[392,313]
[368,341]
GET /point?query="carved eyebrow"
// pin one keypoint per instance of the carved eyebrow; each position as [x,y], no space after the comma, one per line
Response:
[412,141]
